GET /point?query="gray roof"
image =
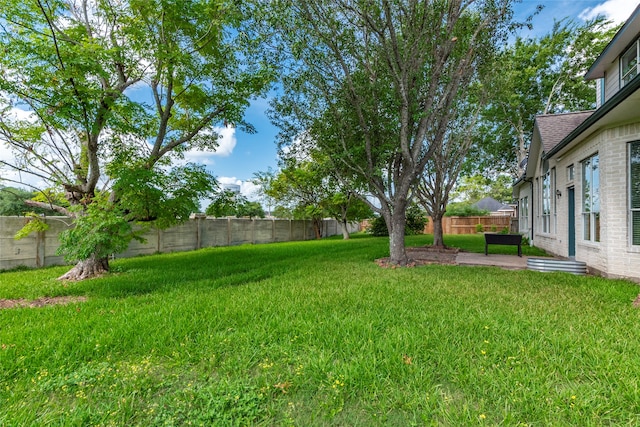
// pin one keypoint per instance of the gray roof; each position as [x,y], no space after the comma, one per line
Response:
[490,204]
[553,128]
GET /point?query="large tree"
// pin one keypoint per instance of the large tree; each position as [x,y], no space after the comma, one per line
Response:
[534,76]
[300,189]
[443,168]
[373,83]
[116,93]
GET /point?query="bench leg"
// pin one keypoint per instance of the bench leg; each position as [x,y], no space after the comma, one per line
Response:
[486,248]
[520,251]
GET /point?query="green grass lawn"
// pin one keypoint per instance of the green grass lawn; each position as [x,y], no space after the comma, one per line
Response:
[315,333]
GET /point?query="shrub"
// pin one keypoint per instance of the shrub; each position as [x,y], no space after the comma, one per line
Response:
[479,228]
[464,209]
[416,221]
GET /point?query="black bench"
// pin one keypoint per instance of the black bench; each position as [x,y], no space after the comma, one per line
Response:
[502,239]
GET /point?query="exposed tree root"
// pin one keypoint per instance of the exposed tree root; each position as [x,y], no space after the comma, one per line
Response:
[87,269]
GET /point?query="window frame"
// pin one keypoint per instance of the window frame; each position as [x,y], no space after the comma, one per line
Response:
[634,211]
[524,212]
[545,199]
[590,202]
[635,68]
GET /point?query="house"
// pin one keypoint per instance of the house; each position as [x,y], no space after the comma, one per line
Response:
[579,196]
[494,207]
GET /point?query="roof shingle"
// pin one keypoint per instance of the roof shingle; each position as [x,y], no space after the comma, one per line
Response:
[554,128]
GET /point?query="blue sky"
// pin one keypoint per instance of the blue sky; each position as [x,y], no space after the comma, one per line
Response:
[243,154]
[240,155]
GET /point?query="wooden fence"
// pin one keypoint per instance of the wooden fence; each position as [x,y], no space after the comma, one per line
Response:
[468,224]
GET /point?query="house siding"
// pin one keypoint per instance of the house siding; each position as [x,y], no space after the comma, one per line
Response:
[613,256]
[612,80]
[623,259]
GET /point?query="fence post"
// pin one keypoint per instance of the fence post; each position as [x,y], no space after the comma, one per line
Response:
[40,248]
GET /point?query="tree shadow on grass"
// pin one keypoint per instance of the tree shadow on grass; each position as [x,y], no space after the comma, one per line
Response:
[214,268]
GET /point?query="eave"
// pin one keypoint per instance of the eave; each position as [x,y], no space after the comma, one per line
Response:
[620,108]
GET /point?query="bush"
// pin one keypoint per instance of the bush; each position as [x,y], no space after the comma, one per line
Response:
[416,221]
[479,228]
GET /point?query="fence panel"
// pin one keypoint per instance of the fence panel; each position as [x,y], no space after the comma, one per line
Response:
[39,249]
[468,224]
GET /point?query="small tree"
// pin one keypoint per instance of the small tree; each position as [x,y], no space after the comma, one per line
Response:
[73,67]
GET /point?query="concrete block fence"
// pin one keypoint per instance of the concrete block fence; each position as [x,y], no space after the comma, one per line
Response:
[39,249]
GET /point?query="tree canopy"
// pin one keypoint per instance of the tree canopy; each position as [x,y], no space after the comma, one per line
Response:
[116,93]
[534,76]
[373,84]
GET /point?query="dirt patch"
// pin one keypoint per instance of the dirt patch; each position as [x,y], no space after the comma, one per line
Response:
[424,255]
[40,302]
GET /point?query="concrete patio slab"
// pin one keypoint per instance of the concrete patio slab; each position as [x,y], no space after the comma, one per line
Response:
[510,262]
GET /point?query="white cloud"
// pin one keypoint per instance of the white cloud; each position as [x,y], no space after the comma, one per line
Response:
[227,141]
[247,188]
[616,10]
[226,144]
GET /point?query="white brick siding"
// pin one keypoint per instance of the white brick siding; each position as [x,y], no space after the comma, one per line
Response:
[613,256]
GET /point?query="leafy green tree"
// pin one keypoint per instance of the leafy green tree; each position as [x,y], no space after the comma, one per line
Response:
[347,207]
[434,186]
[263,182]
[12,202]
[372,85]
[472,188]
[531,77]
[416,221]
[464,209]
[301,190]
[116,93]
[250,209]
[224,204]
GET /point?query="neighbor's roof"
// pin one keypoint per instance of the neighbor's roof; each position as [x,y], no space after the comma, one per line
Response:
[490,204]
[553,128]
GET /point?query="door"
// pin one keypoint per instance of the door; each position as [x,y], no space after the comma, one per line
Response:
[572,222]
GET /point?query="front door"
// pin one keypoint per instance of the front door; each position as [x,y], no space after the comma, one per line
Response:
[572,222]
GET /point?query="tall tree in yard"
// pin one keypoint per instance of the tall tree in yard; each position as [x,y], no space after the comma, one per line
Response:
[536,76]
[375,83]
[443,168]
[117,92]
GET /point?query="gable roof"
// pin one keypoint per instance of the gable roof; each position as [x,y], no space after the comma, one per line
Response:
[490,204]
[621,107]
[553,128]
[622,39]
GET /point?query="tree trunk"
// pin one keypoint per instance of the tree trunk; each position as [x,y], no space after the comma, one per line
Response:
[397,252]
[87,269]
[345,230]
[438,241]
[317,228]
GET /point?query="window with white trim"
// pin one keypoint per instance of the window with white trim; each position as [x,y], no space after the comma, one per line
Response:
[524,213]
[554,203]
[546,198]
[629,64]
[634,191]
[591,198]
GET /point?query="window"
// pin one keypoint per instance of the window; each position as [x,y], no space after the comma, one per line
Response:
[570,173]
[629,64]
[591,198]
[546,198]
[634,191]
[524,213]
[553,200]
